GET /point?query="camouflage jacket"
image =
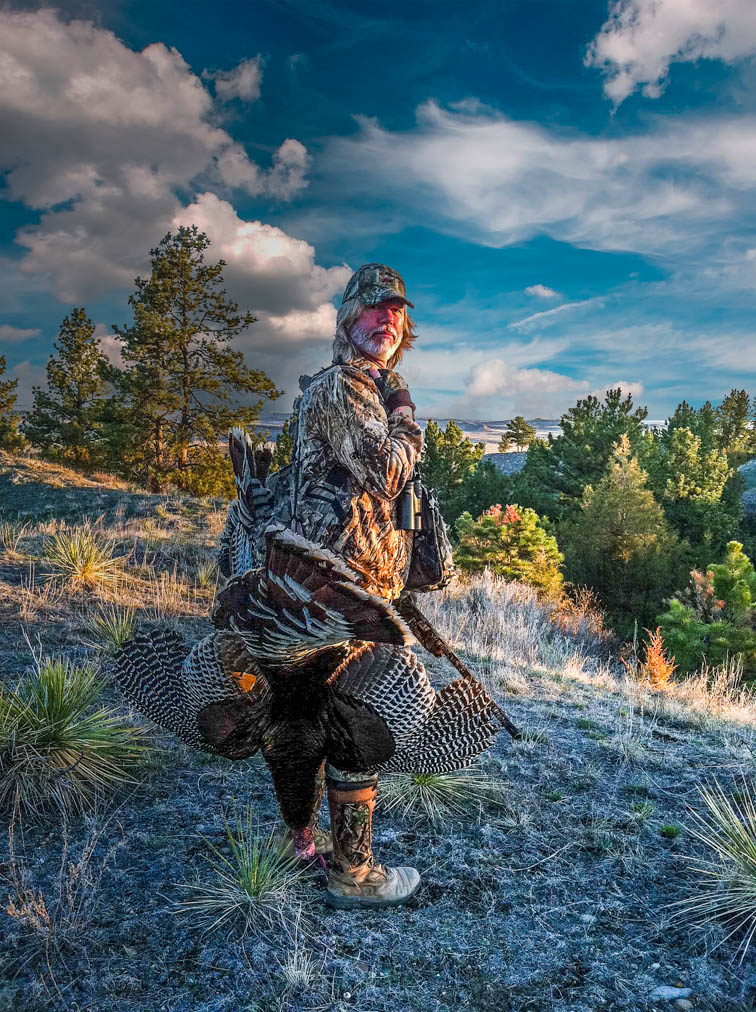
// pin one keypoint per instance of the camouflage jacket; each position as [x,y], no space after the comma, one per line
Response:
[349,464]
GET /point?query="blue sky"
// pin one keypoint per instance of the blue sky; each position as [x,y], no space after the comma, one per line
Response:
[566,186]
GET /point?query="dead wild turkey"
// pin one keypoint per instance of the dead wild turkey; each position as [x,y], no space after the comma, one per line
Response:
[305,665]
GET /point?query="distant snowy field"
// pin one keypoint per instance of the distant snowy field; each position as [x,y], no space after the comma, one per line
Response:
[488,432]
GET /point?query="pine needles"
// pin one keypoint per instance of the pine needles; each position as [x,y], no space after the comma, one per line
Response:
[728,828]
[56,746]
[252,887]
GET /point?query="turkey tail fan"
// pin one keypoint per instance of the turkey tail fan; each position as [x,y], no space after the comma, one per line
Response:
[463,724]
[248,461]
[172,688]
[242,541]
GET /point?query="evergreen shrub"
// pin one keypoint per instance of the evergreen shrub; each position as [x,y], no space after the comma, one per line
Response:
[512,542]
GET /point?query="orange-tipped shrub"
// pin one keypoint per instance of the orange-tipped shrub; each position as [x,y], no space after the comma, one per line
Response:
[655,669]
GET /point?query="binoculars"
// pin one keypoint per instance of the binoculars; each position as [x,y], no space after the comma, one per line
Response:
[410,511]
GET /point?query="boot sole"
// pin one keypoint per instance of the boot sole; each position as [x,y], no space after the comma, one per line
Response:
[372,903]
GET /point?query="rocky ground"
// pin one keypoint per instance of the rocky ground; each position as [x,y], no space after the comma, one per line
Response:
[552,890]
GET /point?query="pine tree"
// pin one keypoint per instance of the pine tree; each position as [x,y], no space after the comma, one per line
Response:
[620,546]
[701,422]
[557,471]
[10,438]
[520,432]
[732,422]
[65,420]
[690,484]
[505,442]
[512,543]
[448,457]
[184,387]
[477,491]
[284,445]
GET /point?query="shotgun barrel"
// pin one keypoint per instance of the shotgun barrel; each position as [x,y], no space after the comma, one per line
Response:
[430,638]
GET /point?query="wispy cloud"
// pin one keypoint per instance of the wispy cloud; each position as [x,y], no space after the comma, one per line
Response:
[9,333]
[243,82]
[546,314]
[681,186]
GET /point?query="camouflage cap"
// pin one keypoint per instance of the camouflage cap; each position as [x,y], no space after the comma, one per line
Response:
[373,283]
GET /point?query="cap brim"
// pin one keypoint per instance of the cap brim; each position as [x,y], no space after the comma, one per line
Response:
[383,294]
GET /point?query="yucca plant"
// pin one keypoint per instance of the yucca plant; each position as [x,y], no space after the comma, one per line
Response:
[111,627]
[728,828]
[82,558]
[57,747]
[436,796]
[252,887]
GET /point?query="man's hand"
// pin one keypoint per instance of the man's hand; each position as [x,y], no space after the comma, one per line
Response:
[395,393]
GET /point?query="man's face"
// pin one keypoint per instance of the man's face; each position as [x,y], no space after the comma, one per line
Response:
[377,333]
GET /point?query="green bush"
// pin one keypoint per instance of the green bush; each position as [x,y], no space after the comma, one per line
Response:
[512,543]
[734,582]
[714,619]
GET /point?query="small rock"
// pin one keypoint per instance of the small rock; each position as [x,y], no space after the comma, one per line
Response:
[683,1004]
[587,918]
[654,966]
[667,992]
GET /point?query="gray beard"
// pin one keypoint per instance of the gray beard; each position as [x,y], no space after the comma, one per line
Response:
[368,343]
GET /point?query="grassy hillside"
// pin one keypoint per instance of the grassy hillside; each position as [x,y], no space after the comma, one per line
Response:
[549,888]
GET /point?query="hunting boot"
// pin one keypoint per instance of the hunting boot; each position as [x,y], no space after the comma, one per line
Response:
[321,837]
[355,880]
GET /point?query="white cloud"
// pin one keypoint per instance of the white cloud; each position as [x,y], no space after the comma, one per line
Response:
[101,139]
[9,333]
[276,277]
[110,345]
[497,388]
[243,82]
[635,389]
[641,38]
[266,269]
[497,376]
[29,375]
[541,292]
[671,190]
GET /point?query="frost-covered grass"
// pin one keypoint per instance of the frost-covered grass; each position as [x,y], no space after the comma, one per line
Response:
[553,891]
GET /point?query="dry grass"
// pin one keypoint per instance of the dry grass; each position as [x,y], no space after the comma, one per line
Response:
[511,637]
[59,915]
[31,469]
[11,535]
